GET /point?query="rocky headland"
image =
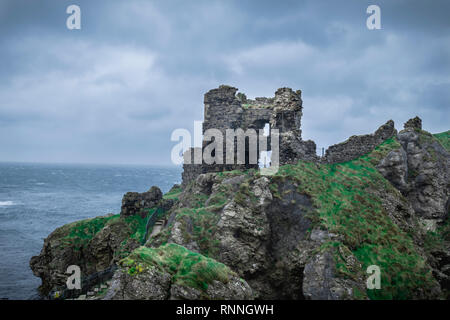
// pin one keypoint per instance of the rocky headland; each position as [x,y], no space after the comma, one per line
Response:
[307,232]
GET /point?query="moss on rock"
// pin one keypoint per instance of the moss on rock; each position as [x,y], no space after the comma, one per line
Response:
[186,267]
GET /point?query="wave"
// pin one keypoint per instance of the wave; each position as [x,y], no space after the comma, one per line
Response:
[6,203]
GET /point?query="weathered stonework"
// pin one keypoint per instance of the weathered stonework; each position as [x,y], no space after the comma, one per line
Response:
[224,109]
[190,169]
[357,146]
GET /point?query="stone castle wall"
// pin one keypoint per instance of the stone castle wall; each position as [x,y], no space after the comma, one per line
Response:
[190,170]
[357,146]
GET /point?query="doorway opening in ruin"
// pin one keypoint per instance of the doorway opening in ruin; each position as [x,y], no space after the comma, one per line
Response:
[264,156]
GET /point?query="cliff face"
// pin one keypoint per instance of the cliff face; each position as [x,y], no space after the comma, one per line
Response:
[94,245]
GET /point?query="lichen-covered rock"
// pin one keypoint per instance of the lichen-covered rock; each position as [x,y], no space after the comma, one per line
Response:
[395,168]
[420,169]
[322,283]
[148,285]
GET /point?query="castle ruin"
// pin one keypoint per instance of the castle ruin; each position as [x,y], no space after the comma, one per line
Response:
[226,109]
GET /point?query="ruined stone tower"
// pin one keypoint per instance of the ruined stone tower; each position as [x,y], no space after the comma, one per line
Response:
[224,109]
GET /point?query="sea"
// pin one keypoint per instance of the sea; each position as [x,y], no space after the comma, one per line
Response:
[37,198]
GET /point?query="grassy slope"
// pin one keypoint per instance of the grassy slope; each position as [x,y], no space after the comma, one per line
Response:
[186,267]
[173,193]
[444,139]
[78,234]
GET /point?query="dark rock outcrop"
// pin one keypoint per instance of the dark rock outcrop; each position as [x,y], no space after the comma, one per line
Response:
[93,245]
[321,283]
[155,285]
[420,169]
[414,123]
[134,203]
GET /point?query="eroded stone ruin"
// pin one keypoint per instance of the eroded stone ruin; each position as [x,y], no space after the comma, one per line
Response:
[227,109]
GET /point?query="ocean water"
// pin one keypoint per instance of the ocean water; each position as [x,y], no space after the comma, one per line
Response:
[37,198]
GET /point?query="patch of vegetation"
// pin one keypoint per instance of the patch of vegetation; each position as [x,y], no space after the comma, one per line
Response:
[218,199]
[424,136]
[173,193]
[186,267]
[444,139]
[204,226]
[346,204]
[244,195]
[198,200]
[435,240]
[229,174]
[79,233]
[137,226]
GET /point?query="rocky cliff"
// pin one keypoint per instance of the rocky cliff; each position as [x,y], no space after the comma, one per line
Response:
[308,232]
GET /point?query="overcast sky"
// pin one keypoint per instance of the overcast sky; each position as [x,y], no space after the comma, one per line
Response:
[114,91]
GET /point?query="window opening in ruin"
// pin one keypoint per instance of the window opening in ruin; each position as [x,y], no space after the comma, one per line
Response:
[264,160]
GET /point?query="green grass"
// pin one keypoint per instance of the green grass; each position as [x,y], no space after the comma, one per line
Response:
[204,224]
[79,233]
[173,194]
[346,204]
[186,267]
[435,240]
[137,226]
[444,139]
